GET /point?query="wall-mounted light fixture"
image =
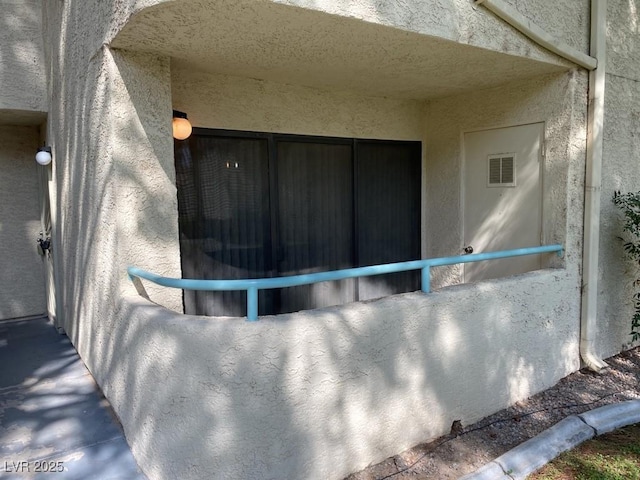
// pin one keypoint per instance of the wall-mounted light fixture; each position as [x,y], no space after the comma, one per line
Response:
[181,125]
[43,157]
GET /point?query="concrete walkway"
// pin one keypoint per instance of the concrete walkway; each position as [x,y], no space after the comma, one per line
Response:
[529,456]
[54,422]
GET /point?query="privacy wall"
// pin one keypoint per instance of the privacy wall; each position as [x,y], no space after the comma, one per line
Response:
[323,393]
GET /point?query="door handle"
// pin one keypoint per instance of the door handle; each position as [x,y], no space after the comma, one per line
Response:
[468,250]
[45,243]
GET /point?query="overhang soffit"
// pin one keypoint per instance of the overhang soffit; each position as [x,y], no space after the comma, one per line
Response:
[289,43]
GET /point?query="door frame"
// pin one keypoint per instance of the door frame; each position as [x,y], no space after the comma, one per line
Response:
[273,138]
[463,164]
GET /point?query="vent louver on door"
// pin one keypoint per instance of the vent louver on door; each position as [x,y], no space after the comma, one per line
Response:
[501,171]
[495,176]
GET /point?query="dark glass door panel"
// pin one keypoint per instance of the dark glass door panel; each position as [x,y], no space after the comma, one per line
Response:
[388,192]
[315,220]
[224,218]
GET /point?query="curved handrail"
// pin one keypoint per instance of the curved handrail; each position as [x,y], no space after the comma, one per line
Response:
[252,285]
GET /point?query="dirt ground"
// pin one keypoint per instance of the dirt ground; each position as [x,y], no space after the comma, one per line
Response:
[469,447]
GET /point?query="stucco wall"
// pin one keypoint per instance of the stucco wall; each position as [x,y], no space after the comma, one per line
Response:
[461,21]
[237,103]
[620,171]
[22,68]
[320,394]
[456,20]
[557,100]
[382,49]
[115,202]
[22,275]
[566,21]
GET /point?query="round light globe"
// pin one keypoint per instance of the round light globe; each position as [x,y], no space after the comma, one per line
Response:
[43,157]
[181,128]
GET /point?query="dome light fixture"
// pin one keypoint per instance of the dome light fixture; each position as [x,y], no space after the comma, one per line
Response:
[43,157]
[181,125]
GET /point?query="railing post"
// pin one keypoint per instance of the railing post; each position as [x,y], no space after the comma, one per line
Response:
[426,279]
[252,304]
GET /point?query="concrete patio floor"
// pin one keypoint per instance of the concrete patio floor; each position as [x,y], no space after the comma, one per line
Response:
[54,421]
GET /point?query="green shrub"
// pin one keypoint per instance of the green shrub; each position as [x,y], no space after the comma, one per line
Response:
[629,203]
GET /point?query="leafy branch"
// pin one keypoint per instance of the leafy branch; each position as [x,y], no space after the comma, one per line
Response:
[629,203]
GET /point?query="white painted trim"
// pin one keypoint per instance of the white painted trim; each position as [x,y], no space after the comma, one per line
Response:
[593,187]
[542,164]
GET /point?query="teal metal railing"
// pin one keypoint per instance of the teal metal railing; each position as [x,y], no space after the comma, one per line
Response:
[253,285]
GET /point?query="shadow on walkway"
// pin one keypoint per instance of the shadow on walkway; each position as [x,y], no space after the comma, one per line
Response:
[54,421]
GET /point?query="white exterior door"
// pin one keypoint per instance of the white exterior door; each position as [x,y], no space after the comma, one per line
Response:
[502,190]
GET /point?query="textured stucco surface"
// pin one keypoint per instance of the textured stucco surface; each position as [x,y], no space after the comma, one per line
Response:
[463,22]
[623,39]
[320,394]
[22,68]
[22,274]
[238,103]
[114,197]
[455,20]
[620,171]
[142,149]
[557,100]
[567,21]
[374,48]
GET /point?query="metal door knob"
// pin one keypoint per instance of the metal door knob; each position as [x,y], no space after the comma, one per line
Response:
[468,249]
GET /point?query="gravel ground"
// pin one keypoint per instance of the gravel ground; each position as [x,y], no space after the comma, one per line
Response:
[469,447]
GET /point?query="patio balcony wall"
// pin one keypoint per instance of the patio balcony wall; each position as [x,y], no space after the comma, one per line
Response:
[323,393]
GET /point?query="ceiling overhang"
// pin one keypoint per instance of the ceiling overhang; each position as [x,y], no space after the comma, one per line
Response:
[293,45]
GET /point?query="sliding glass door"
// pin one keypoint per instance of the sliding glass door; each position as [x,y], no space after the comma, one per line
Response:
[224,218]
[315,220]
[255,205]
[388,199]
